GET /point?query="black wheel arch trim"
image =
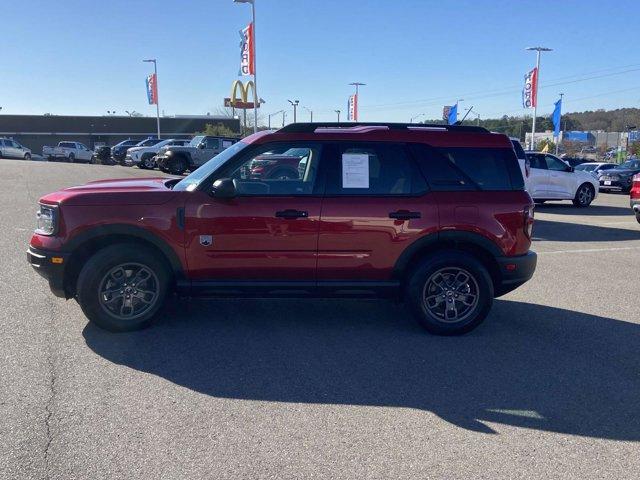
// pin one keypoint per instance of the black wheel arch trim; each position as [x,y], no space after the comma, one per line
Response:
[127,231]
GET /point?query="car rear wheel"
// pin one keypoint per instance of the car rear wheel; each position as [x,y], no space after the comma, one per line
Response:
[72,158]
[584,195]
[638,217]
[122,287]
[146,162]
[27,156]
[450,293]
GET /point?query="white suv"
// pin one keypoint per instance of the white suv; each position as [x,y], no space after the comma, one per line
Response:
[549,178]
[144,157]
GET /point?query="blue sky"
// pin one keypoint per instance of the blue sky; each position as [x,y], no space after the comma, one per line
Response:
[84,57]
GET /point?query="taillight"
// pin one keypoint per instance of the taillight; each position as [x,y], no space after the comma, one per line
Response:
[528,221]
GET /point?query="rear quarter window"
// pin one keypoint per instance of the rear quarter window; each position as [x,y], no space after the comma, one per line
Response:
[464,168]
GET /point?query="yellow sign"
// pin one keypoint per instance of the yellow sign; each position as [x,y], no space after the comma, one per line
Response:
[244,101]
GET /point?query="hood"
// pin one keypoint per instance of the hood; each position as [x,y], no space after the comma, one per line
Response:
[178,148]
[115,192]
[620,171]
[135,149]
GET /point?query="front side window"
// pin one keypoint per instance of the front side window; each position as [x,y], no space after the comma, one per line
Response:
[371,169]
[555,164]
[537,161]
[212,143]
[195,141]
[278,170]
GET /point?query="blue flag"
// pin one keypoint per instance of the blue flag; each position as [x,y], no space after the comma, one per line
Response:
[453,114]
[556,117]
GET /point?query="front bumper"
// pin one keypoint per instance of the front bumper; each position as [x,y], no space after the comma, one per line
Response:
[514,271]
[621,185]
[50,265]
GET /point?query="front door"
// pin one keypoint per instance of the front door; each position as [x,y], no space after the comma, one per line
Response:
[269,232]
[561,178]
[375,206]
[538,182]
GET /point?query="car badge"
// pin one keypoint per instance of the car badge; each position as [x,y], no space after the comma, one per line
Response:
[206,240]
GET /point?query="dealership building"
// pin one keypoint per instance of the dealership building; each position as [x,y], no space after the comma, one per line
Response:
[35,131]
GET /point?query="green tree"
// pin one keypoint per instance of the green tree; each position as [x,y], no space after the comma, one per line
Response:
[217,130]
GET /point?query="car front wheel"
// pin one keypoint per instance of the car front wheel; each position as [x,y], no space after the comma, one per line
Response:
[122,287]
[584,195]
[450,293]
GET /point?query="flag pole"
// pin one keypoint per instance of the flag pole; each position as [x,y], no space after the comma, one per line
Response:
[537,85]
[560,122]
[155,71]
[255,70]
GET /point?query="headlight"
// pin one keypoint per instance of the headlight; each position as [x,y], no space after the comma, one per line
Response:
[47,220]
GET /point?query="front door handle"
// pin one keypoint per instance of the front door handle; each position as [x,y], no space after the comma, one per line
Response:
[404,215]
[292,214]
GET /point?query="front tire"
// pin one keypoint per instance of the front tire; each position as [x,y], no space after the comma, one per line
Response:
[584,195]
[72,158]
[122,287]
[450,293]
[27,156]
[638,217]
[177,166]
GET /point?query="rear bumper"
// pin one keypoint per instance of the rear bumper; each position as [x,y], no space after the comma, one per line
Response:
[50,265]
[514,271]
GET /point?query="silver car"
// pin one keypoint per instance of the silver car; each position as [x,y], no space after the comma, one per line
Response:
[12,149]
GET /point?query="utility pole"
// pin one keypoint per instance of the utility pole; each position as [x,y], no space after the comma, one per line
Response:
[338,112]
[535,107]
[271,115]
[415,116]
[284,115]
[155,72]
[295,108]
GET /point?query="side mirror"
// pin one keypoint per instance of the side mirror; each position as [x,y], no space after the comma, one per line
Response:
[201,146]
[571,169]
[224,188]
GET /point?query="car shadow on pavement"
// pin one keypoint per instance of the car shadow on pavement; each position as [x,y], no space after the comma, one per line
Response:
[592,210]
[528,365]
[545,230]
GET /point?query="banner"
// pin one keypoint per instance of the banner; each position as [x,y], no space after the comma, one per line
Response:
[152,89]
[452,118]
[530,90]
[247,51]
[557,117]
[445,112]
[352,108]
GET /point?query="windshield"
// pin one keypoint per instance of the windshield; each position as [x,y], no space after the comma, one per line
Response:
[195,141]
[586,167]
[148,142]
[191,182]
[630,164]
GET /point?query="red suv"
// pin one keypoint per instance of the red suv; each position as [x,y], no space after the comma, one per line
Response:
[435,215]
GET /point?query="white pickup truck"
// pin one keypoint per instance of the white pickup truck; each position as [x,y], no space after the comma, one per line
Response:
[68,151]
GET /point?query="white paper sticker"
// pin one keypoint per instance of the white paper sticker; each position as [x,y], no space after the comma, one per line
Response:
[355,170]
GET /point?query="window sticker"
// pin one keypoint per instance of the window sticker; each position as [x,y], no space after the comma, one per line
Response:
[355,170]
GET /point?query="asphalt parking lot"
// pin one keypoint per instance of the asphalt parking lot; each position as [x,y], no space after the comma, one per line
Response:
[547,387]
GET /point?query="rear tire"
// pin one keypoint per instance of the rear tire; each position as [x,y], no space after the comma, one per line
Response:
[27,156]
[584,195]
[177,166]
[638,217]
[450,293]
[72,158]
[122,287]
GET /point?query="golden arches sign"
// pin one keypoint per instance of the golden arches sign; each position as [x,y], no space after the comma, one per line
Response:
[244,101]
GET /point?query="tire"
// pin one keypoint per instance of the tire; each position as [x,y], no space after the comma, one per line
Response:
[72,158]
[107,271]
[444,268]
[27,156]
[638,217]
[584,195]
[143,162]
[176,166]
[148,162]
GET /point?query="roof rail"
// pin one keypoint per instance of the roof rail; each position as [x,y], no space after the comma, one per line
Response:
[311,127]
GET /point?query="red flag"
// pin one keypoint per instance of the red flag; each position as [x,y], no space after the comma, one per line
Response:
[247,51]
[152,89]
[530,90]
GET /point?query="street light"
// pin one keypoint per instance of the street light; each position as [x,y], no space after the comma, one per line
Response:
[416,116]
[295,104]
[338,112]
[310,113]
[255,68]
[273,114]
[535,107]
[155,73]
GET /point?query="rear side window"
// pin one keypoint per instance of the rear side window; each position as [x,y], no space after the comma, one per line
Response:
[67,145]
[373,169]
[463,168]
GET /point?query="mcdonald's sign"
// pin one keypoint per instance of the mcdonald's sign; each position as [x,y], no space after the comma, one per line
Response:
[244,101]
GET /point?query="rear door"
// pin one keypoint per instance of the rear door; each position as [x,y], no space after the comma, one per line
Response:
[561,178]
[376,204]
[538,183]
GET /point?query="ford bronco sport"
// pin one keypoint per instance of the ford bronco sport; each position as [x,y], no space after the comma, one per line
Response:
[435,215]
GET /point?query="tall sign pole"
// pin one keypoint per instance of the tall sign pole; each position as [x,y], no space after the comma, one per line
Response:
[535,105]
[357,100]
[155,72]
[255,68]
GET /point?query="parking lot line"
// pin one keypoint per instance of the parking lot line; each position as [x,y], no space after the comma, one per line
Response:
[589,250]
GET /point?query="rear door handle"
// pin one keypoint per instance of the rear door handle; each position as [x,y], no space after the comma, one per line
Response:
[292,214]
[404,215]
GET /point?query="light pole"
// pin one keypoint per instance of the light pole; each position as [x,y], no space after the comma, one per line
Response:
[271,115]
[355,110]
[416,116]
[284,116]
[310,113]
[255,68]
[535,107]
[295,104]
[155,72]
[338,112]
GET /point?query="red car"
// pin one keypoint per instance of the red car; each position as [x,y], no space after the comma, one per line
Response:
[437,216]
[634,196]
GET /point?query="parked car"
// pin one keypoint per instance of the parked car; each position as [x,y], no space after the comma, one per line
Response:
[634,196]
[102,155]
[552,179]
[436,216]
[144,157]
[177,160]
[68,151]
[619,179]
[575,161]
[119,150]
[11,149]
[594,168]
[525,165]
[288,165]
